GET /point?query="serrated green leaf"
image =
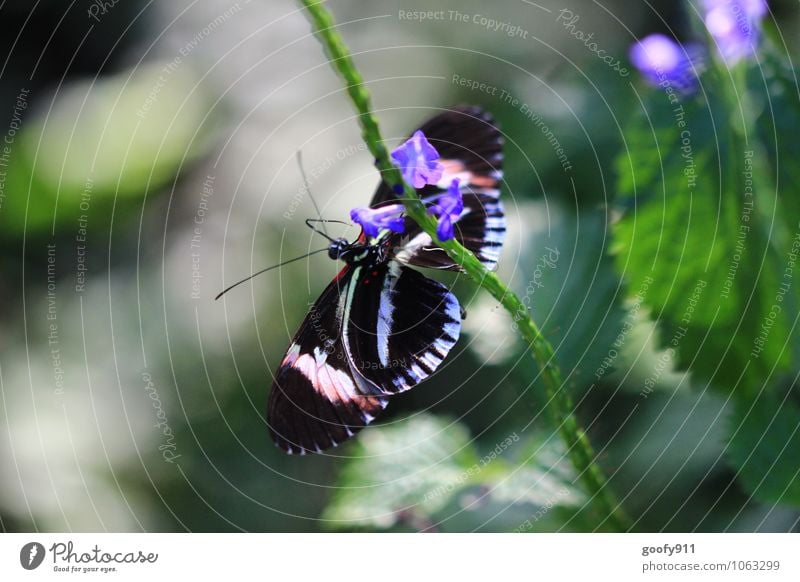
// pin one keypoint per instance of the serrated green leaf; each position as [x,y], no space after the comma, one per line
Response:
[400,466]
[763,448]
[707,246]
[417,466]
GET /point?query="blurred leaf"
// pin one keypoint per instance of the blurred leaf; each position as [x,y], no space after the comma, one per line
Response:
[763,447]
[774,86]
[573,291]
[400,466]
[690,231]
[668,450]
[113,139]
[410,470]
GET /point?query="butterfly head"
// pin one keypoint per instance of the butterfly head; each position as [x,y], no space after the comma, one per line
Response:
[338,248]
[358,252]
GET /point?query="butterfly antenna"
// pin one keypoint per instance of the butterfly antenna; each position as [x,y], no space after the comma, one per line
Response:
[307,188]
[268,269]
[315,229]
[325,234]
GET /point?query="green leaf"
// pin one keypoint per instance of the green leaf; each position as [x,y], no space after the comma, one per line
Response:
[706,248]
[414,468]
[775,84]
[763,447]
[106,141]
[775,94]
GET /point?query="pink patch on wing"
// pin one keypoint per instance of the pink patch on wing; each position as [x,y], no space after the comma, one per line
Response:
[456,169]
[334,385]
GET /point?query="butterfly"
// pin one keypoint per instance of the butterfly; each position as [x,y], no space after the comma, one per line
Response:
[382,327]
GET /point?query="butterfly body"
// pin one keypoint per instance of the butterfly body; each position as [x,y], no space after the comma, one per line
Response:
[358,252]
[381,327]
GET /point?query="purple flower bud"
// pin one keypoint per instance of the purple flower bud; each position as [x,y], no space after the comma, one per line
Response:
[418,160]
[373,220]
[735,26]
[448,209]
[666,63]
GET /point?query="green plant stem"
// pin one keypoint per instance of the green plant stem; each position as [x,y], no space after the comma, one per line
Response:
[560,405]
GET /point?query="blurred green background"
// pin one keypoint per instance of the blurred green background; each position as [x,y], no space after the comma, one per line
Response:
[150,162]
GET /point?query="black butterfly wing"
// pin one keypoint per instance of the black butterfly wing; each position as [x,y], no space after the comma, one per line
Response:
[481,228]
[471,149]
[317,400]
[399,326]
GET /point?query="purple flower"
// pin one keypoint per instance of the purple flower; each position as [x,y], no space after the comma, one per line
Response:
[418,160]
[448,209]
[735,25]
[666,63]
[373,220]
